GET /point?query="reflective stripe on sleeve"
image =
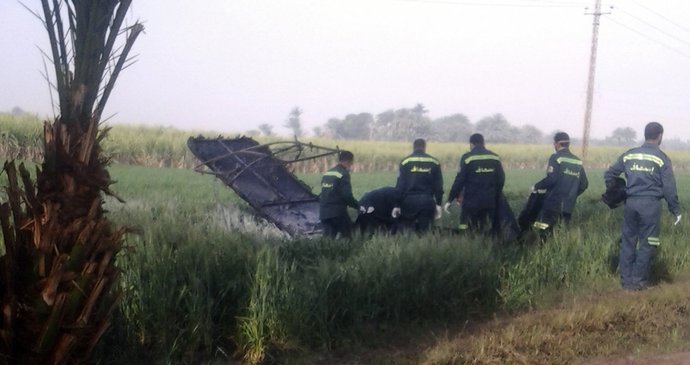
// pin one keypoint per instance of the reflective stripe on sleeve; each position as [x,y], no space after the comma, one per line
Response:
[420,159]
[481,158]
[643,157]
[333,173]
[572,161]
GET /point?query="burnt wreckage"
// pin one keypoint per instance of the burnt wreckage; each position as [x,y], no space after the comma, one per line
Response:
[258,173]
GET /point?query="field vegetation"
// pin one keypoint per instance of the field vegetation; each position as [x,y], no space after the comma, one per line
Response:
[205,281]
[21,138]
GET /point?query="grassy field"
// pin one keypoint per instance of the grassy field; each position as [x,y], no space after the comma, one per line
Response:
[206,282]
[21,138]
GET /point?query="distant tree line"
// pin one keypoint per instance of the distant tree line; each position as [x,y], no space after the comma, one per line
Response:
[406,124]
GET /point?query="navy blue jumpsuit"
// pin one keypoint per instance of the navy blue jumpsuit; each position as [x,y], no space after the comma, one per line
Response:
[565,180]
[420,185]
[480,181]
[649,177]
[336,196]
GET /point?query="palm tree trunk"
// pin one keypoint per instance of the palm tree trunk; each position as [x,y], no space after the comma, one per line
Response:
[58,281]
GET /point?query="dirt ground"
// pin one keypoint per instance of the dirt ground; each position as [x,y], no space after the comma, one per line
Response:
[682,358]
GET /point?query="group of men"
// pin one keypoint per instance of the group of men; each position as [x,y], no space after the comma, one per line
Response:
[416,199]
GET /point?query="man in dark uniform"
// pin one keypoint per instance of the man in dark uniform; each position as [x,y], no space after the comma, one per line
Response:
[336,196]
[480,182]
[375,210]
[565,180]
[420,185]
[649,177]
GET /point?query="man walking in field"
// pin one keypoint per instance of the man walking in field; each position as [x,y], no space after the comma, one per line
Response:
[336,196]
[420,186]
[479,182]
[649,177]
[565,180]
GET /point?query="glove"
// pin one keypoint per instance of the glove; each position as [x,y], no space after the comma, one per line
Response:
[532,190]
[439,212]
[396,212]
[677,220]
[362,209]
[446,207]
[370,210]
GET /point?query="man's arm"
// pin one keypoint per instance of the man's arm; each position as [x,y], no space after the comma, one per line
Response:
[439,185]
[669,188]
[584,183]
[345,190]
[459,182]
[614,171]
[552,174]
[500,178]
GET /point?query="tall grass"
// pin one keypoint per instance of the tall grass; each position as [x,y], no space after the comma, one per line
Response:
[203,282]
[202,285]
[166,147]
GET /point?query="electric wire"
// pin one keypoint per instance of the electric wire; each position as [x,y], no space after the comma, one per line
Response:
[661,16]
[649,38]
[653,26]
[498,4]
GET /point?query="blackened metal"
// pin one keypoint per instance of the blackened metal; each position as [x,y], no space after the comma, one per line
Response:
[258,174]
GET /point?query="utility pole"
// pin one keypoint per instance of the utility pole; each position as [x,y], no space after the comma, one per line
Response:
[590,83]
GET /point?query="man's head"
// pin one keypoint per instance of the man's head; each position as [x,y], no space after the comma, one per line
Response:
[476,140]
[346,158]
[419,145]
[561,140]
[653,132]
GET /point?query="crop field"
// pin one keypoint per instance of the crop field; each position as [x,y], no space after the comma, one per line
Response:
[204,281]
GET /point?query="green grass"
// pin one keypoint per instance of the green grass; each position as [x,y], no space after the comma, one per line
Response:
[204,281]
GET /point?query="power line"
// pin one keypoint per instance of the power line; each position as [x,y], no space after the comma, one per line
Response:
[653,26]
[650,38]
[661,16]
[487,4]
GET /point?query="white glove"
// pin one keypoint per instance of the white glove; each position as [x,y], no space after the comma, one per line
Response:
[362,209]
[396,212]
[439,212]
[532,190]
[370,210]
[677,220]
[446,207]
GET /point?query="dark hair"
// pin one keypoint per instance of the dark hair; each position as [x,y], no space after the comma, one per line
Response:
[652,130]
[345,156]
[419,144]
[562,139]
[477,139]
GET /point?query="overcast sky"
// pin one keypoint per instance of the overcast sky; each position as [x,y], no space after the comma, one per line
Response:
[231,65]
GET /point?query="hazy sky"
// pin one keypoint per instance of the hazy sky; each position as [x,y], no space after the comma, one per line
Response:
[230,65]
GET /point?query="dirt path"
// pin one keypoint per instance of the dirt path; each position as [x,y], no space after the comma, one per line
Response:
[681,358]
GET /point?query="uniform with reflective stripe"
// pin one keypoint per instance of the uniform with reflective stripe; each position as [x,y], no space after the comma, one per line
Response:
[565,180]
[480,179]
[420,173]
[649,177]
[336,193]
[648,172]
